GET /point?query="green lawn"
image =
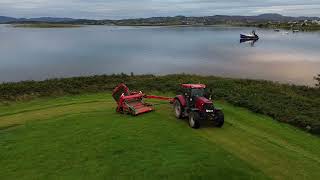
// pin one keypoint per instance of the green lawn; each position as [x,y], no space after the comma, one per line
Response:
[81,137]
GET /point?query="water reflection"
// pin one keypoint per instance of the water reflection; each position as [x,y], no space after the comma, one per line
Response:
[248,41]
[38,54]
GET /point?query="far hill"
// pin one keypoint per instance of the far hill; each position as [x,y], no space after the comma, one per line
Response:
[4,19]
[176,20]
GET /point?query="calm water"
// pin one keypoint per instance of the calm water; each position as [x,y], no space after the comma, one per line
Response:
[37,54]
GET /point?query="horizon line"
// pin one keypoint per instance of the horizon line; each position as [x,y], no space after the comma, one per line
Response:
[154,16]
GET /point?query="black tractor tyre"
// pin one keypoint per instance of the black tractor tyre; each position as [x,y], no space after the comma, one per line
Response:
[120,110]
[218,119]
[194,120]
[178,109]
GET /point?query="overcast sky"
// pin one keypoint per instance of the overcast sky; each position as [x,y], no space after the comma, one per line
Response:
[118,9]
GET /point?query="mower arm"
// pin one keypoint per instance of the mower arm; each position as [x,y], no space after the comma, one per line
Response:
[160,98]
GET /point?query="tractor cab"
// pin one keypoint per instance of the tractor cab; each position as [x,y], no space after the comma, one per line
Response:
[193,91]
[194,101]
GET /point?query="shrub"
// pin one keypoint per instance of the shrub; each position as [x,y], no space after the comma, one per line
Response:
[317,78]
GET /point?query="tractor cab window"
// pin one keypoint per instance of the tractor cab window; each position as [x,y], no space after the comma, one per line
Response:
[197,92]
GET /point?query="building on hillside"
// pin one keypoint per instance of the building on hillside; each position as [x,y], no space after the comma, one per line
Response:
[316,22]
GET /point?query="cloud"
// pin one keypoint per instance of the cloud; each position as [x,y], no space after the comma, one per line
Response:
[117,9]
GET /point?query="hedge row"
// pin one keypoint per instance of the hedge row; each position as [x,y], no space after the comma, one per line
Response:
[296,105]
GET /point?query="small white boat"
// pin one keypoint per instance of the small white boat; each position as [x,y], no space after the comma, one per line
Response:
[252,36]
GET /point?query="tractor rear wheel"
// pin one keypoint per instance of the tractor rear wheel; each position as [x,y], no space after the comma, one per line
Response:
[194,120]
[178,109]
[219,119]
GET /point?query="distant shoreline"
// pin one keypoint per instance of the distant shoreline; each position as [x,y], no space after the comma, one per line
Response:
[46,25]
[262,26]
[269,20]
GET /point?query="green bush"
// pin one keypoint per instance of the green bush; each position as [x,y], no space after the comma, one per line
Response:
[317,78]
[296,105]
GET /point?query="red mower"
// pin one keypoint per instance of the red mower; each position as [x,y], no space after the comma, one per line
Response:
[194,103]
[132,102]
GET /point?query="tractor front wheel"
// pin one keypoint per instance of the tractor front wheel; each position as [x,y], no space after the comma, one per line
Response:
[178,109]
[194,120]
[218,119]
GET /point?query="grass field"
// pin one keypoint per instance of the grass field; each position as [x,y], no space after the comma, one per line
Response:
[81,137]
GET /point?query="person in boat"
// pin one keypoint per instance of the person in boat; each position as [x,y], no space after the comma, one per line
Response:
[254,32]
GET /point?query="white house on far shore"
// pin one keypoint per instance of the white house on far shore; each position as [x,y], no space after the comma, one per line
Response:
[316,22]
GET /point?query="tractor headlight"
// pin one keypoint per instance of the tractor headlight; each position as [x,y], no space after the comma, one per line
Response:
[190,99]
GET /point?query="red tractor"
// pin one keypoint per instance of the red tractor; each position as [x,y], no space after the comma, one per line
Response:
[195,103]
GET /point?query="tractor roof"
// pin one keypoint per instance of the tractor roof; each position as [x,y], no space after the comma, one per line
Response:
[194,86]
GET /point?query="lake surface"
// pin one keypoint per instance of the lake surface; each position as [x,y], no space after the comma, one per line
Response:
[37,54]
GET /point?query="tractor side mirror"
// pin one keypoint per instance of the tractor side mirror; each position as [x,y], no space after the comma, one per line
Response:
[211,93]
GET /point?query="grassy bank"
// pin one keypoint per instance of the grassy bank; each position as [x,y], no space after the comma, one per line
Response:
[81,137]
[46,25]
[296,105]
